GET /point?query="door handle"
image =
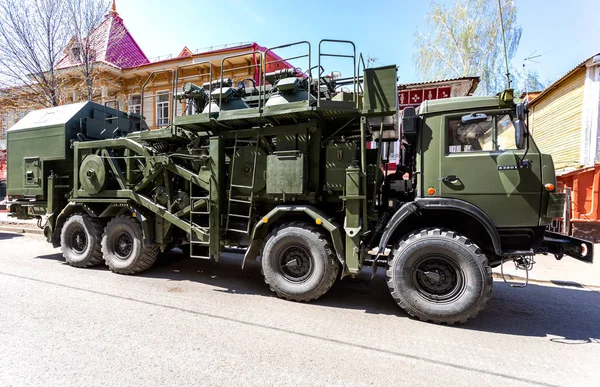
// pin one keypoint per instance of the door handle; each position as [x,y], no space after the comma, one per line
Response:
[450,179]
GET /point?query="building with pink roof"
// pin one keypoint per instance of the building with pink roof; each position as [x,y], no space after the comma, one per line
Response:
[120,67]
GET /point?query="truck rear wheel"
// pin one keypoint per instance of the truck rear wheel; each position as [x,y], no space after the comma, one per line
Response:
[80,241]
[124,249]
[298,262]
[439,276]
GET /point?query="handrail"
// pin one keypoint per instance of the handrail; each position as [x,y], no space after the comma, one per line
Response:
[193,65]
[264,80]
[255,64]
[361,59]
[151,77]
[353,56]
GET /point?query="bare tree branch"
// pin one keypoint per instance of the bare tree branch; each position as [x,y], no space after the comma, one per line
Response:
[32,33]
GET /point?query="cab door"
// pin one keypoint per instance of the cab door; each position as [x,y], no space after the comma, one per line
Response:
[479,164]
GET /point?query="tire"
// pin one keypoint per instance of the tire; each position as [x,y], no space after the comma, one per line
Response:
[80,238]
[458,282]
[124,249]
[315,266]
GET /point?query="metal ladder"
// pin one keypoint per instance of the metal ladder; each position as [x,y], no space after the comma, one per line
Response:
[247,216]
[193,226]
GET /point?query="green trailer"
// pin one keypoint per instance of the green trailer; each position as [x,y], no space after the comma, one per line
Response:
[278,165]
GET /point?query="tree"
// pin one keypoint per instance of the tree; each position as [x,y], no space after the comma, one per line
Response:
[466,40]
[33,34]
[85,16]
[531,81]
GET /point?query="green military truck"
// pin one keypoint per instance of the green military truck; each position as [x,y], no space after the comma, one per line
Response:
[277,163]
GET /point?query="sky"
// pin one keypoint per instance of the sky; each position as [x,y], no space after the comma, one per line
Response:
[564,33]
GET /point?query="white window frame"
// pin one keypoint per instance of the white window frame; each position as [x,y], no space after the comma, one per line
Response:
[161,119]
[134,108]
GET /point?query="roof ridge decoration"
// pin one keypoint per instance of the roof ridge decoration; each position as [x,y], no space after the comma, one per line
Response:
[113,8]
[185,52]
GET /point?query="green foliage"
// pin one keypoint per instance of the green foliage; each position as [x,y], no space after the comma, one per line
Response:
[466,40]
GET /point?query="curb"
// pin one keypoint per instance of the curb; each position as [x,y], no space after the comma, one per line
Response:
[21,230]
[520,279]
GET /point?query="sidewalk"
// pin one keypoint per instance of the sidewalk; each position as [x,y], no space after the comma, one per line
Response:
[5,220]
[16,225]
[567,272]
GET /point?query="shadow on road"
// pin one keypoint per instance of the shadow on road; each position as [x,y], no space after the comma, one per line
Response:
[563,315]
[53,257]
[8,235]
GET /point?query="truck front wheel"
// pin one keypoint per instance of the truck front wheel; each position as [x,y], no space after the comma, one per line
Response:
[439,276]
[298,262]
[124,249]
[80,241]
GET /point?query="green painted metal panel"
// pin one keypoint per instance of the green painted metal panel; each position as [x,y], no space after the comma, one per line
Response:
[286,173]
[381,92]
[338,157]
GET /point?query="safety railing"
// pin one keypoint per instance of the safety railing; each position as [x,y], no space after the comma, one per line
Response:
[332,55]
[171,94]
[202,77]
[254,70]
[285,60]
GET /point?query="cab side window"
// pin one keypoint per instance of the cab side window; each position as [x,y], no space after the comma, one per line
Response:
[496,133]
[473,137]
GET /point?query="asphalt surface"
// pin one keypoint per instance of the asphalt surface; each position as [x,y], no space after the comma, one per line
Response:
[197,322]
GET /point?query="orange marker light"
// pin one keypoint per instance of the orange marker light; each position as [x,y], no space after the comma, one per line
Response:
[265,219]
[549,187]
[318,221]
[431,191]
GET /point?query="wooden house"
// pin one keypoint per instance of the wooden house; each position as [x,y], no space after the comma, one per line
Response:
[565,123]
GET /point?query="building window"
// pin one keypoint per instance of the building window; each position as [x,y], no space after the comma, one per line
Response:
[162,108]
[75,56]
[135,104]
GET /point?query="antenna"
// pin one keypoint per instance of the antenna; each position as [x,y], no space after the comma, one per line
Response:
[530,58]
[504,40]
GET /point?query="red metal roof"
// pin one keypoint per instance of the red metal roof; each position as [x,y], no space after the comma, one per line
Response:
[112,43]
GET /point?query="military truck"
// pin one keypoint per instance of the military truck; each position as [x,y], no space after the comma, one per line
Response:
[276,163]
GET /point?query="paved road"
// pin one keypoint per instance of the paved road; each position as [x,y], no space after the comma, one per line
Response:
[197,322]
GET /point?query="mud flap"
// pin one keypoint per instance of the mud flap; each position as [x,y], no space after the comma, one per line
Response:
[561,245]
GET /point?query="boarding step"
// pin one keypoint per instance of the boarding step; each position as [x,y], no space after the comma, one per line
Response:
[237,230]
[242,186]
[240,216]
[240,201]
[199,251]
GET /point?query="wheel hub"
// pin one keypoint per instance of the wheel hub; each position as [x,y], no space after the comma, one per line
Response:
[437,278]
[79,240]
[296,264]
[123,245]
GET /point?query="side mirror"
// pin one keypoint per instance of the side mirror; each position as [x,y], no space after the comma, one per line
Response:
[409,121]
[520,134]
[473,118]
[520,111]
